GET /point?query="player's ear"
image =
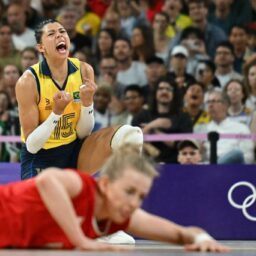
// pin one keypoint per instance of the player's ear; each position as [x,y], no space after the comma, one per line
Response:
[40,48]
[103,183]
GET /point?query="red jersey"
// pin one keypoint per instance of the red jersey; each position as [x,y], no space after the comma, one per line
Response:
[26,223]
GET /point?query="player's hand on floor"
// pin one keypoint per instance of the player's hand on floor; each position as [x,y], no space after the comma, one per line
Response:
[207,246]
[92,245]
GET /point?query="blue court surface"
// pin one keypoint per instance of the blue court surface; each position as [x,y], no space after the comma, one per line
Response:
[143,248]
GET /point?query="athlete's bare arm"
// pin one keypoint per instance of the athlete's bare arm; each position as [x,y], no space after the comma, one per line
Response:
[87,72]
[194,238]
[163,230]
[27,97]
[87,92]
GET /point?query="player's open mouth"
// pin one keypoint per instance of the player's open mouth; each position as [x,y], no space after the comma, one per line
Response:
[61,47]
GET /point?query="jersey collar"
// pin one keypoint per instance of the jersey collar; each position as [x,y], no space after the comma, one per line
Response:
[45,70]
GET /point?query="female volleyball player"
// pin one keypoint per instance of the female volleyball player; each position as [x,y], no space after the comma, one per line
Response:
[55,100]
[69,209]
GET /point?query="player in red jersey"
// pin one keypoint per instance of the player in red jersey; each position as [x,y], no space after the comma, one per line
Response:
[70,209]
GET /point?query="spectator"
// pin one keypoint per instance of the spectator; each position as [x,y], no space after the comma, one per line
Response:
[193,105]
[250,83]
[142,43]
[155,70]
[189,152]
[105,43]
[241,9]
[224,61]
[229,151]
[29,57]
[238,37]
[161,40]
[134,101]
[11,74]
[251,43]
[198,10]
[108,74]
[237,111]
[22,35]
[205,74]
[112,20]
[104,46]
[33,17]
[253,128]
[88,22]
[9,151]
[118,109]
[102,113]
[177,20]
[221,15]
[8,54]
[129,71]
[178,66]
[50,8]
[130,14]
[5,104]
[193,39]
[164,116]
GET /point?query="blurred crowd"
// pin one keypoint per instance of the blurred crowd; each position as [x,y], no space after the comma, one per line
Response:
[168,66]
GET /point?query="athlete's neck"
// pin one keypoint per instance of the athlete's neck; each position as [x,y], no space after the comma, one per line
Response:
[59,70]
[100,211]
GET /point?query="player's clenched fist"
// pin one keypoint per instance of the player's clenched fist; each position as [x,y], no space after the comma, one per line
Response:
[60,100]
[87,92]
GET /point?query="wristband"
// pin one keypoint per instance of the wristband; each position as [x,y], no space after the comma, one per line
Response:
[202,237]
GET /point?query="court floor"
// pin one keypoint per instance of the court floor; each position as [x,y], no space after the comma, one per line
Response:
[143,248]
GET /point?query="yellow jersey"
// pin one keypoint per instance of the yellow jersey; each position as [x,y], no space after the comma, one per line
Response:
[182,22]
[89,24]
[65,131]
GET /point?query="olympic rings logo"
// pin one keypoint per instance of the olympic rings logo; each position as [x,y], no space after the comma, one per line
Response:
[248,201]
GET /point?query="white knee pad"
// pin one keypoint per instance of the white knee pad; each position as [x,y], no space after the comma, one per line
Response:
[127,134]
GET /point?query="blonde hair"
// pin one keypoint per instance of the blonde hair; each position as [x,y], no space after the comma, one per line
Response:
[128,156]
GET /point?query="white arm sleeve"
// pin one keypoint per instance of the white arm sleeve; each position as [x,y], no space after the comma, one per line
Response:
[86,122]
[36,139]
